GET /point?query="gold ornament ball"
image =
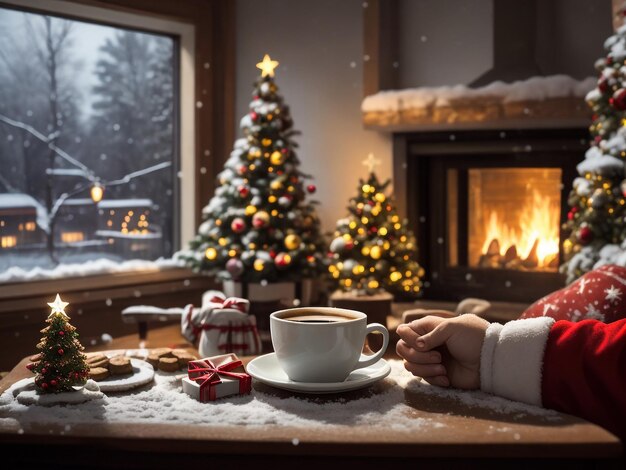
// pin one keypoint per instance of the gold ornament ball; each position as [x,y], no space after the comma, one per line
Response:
[375,252]
[277,158]
[210,253]
[292,242]
[250,210]
[276,185]
[259,265]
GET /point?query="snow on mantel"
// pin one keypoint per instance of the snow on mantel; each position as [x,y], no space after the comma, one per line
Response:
[552,101]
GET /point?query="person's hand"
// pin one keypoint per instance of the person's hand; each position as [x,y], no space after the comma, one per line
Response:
[443,351]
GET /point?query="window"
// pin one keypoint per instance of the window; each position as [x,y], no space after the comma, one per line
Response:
[90,139]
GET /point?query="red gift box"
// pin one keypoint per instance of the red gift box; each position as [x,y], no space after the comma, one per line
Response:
[216,377]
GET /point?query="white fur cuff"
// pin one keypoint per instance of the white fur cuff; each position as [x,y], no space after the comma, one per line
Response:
[512,359]
[486,356]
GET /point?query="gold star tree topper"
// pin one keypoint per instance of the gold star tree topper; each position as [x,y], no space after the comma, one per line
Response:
[371,162]
[267,66]
[58,306]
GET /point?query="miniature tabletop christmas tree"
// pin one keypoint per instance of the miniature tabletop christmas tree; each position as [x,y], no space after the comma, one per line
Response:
[258,226]
[597,200]
[373,249]
[61,364]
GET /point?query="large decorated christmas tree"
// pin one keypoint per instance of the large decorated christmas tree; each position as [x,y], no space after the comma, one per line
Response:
[372,248]
[61,364]
[258,226]
[595,225]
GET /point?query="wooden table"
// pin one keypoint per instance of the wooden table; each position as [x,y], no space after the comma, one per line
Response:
[467,438]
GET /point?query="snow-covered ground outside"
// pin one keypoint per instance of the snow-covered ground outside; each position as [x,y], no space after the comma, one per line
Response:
[33,267]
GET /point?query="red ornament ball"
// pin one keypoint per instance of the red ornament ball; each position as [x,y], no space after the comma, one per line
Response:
[261,219]
[61,333]
[44,385]
[60,351]
[76,375]
[282,260]
[53,383]
[243,191]
[242,169]
[254,116]
[603,84]
[585,235]
[238,225]
[311,188]
[572,213]
[30,365]
[619,99]
[44,370]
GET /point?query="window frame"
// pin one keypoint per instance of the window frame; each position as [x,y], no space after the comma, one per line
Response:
[205,33]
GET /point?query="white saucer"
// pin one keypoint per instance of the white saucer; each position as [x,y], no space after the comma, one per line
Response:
[266,369]
[143,373]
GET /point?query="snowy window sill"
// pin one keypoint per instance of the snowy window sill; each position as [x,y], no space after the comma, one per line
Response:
[105,287]
[554,101]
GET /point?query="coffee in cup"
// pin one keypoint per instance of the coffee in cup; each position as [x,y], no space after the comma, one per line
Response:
[322,344]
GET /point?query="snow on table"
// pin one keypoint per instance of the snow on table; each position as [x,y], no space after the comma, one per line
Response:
[163,402]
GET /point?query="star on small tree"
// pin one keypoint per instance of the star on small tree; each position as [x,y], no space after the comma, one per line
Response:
[61,364]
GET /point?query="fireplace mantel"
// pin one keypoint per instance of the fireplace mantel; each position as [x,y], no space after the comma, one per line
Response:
[539,102]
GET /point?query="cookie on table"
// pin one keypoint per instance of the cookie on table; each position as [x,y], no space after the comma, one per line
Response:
[97,360]
[98,373]
[184,359]
[120,365]
[153,360]
[161,352]
[168,364]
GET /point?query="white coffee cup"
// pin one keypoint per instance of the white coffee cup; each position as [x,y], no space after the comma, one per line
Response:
[322,344]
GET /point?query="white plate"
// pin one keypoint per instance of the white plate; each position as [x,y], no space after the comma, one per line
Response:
[266,369]
[143,373]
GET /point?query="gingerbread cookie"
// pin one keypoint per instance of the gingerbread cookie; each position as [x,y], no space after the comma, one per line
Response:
[98,373]
[168,364]
[183,360]
[120,365]
[153,360]
[99,362]
[161,352]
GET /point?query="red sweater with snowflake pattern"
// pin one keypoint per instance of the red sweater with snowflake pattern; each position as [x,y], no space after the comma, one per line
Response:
[576,368]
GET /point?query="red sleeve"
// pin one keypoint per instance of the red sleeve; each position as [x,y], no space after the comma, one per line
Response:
[584,372]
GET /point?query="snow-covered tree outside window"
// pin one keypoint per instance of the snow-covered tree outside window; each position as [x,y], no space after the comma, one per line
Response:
[88,152]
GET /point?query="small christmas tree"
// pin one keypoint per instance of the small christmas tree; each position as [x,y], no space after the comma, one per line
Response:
[373,249]
[60,365]
[595,225]
[257,225]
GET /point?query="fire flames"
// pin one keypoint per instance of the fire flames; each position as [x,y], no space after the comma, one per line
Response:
[533,242]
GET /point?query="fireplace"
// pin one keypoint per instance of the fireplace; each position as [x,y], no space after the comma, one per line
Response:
[487,208]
